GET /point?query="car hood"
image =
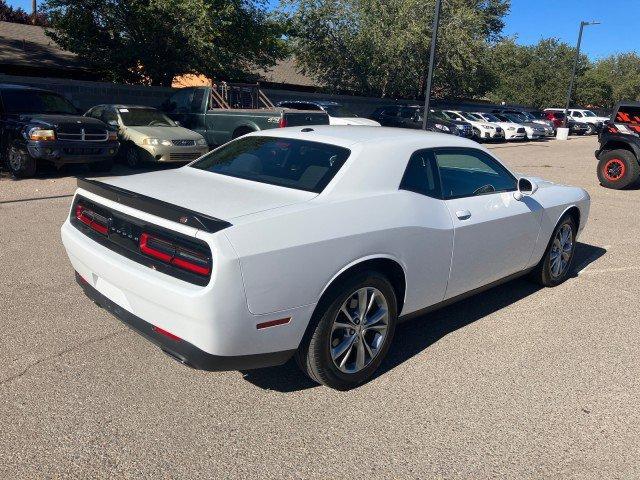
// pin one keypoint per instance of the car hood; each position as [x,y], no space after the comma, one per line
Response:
[507,125]
[353,121]
[165,133]
[56,121]
[219,196]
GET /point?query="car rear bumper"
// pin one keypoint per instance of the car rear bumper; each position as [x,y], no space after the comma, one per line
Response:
[63,152]
[212,318]
[178,348]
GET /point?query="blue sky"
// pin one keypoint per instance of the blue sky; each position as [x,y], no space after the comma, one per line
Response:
[531,20]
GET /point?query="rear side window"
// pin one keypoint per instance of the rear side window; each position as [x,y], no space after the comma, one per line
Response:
[421,175]
[285,162]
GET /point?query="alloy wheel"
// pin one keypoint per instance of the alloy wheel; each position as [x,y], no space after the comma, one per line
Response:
[15,160]
[359,330]
[614,169]
[561,251]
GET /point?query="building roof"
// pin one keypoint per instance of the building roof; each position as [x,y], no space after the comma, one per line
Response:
[286,72]
[29,46]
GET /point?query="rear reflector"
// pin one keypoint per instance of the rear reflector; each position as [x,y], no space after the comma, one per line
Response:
[169,335]
[273,323]
[175,254]
[92,219]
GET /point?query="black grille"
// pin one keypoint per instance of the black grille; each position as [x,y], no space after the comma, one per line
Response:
[521,130]
[82,151]
[81,133]
[183,143]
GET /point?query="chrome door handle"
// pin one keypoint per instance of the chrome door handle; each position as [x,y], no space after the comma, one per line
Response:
[463,214]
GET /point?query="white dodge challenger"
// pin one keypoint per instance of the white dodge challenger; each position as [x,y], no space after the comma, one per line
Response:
[313,243]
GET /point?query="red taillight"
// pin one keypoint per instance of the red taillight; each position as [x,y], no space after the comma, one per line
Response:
[175,254]
[282,123]
[92,219]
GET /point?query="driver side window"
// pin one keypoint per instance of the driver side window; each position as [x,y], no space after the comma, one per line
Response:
[466,172]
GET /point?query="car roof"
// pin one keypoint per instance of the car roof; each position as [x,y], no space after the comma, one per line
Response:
[120,105]
[628,103]
[322,103]
[11,86]
[350,135]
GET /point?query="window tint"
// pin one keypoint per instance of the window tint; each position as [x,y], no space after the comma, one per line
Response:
[391,111]
[469,172]
[144,117]
[285,162]
[35,101]
[109,115]
[95,112]
[186,101]
[407,112]
[421,175]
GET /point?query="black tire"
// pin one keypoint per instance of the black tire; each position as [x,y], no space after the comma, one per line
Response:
[591,129]
[102,166]
[314,353]
[131,156]
[20,163]
[618,169]
[543,273]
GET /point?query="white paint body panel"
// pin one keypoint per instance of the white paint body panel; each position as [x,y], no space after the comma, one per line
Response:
[285,246]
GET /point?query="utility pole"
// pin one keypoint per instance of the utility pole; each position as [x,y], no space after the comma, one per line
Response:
[573,73]
[432,57]
[34,8]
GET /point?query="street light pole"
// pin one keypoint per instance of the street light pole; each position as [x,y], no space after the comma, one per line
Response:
[432,57]
[573,73]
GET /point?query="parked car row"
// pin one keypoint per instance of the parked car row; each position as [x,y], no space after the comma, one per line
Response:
[38,126]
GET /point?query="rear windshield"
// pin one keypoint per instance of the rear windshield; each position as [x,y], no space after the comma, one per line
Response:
[298,164]
[34,101]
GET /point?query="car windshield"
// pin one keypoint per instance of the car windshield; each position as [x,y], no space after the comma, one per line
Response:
[490,117]
[515,118]
[338,111]
[477,116]
[285,162]
[589,113]
[34,101]
[144,117]
[466,116]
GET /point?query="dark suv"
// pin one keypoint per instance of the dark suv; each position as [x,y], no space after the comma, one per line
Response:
[619,152]
[38,125]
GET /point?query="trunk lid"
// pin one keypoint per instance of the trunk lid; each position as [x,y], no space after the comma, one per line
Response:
[212,194]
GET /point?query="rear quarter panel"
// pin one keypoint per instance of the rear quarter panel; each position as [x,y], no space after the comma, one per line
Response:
[289,258]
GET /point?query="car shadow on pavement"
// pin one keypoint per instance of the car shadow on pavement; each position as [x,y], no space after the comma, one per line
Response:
[417,334]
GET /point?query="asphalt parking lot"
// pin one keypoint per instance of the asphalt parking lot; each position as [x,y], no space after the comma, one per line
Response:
[518,382]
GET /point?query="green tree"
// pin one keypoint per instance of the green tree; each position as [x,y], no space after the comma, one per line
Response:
[151,41]
[536,75]
[381,47]
[622,75]
[18,15]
